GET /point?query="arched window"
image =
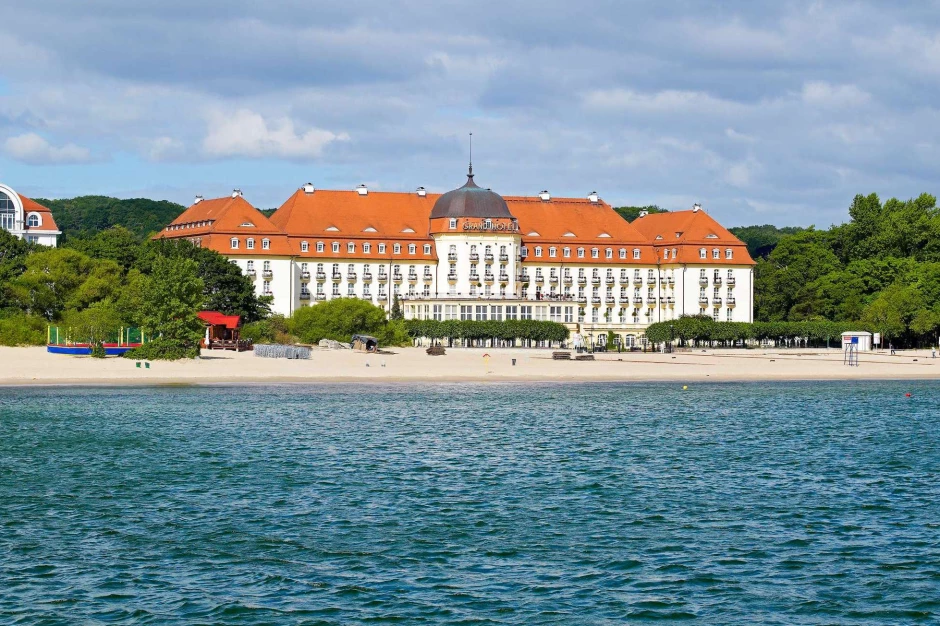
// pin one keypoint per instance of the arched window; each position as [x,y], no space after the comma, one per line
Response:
[7,212]
[34,220]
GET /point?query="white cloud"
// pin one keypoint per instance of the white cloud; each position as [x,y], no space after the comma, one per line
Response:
[246,133]
[35,150]
[667,101]
[821,93]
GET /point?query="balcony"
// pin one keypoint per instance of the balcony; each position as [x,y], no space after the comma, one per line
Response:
[304,296]
[522,278]
[350,275]
[731,281]
[717,281]
[251,273]
[703,280]
[504,278]
[637,300]
[305,275]
[452,256]
[383,295]
[474,257]
[637,279]
[731,302]
[367,277]
[337,276]
[474,278]
[568,280]
[553,280]
[383,277]
[703,300]
[539,278]
[428,276]
[321,296]
[716,301]
[452,276]
[267,292]
[582,299]
[397,278]
[582,280]
[488,258]
[366,295]
[321,275]
[670,300]
[488,277]
[596,299]
[610,280]
[651,300]
[596,280]
[624,279]
[651,279]
[670,280]
[504,258]
[413,277]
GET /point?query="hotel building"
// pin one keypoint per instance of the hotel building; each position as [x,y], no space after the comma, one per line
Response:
[473,254]
[27,219]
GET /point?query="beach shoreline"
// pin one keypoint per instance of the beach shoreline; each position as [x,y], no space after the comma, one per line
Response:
[34,366]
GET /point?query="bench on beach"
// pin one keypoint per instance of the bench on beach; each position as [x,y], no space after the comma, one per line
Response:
[584,357]
[561,356]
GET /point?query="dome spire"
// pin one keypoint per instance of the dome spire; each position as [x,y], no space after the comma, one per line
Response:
[470,171]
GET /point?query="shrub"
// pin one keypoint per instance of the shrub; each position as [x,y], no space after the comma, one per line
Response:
[507,330]
[161,349]
[20,329]
[341,318]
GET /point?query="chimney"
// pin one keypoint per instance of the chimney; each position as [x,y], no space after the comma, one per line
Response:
[362,190]
[593,197]
[696,207]
[422,192]
[197,200]
[308,188]
[236,193]
[545,196]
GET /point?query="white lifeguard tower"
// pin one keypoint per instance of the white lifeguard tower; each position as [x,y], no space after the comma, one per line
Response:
[861,340]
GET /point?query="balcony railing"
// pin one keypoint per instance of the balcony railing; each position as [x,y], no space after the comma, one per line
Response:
[504,278]
[568,280]
[651,279]
[383,277]
[670,300]
[553,280]
[504,258]
[413,277]
[397,278]
[488,277]
[451,256]
[305,276]
[651,300]
[452,276]
[624,279]
[637,300]
[488,258]
[596,280]
[367,277]
[582,280]
[717,281]
[731,281]
[350,275]
[321,275]
[670,280]
[596,299]
[539,278]
[474,278]
[716,301]
[251,273]
[474,256]
[267,292]
[582,299]
[522,278]
[304,296]
[337,276]
[703,300]
[703,281]
[366,295]
[609,279]
[428,276]
[321,296]
[638,279]
[731,302]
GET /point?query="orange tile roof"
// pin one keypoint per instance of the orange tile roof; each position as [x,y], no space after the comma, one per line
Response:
[690,231]
[217,221]
[31,206]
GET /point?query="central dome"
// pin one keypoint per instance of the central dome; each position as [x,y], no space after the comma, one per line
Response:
[470,201]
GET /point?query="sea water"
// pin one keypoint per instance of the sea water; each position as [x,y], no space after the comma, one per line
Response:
[804,503]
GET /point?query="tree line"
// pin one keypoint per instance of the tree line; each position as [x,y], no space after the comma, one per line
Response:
[701,328]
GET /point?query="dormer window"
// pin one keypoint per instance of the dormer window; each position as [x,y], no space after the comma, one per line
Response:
[728,253]
[609,253]
[33,220]
[623,253]
[381,248]
[396,248]
[580,253]
[566,252]
[636,253]
[234,243]
[335,247]
[702,253]
[552,252]
[412,248]
[427,248]
[716,253]
[319,246]
[538,251]
[453,223]
[304,246]
[487,224]
[265,244]
[350,247]
[250,243]
[366,248]
[594,253]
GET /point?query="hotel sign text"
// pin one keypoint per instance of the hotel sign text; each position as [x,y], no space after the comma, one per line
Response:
[499,226]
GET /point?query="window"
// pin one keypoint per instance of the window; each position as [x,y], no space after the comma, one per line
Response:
[381,248]
[609,253]
[304,246]
[453,223]
[569,314]
[319,246]
[538,251]
[675,252]
[366,248]
[525,312]
[716,253]
[267,266]
[33,221]
[350,247]
[566,252]
[250,243]
[623,253]
[437,312]
[487,224]
[251,266]
[265,244]
[512,312]
[554,313]
[234,243]
[496,313]
[580,253]
[702,253]
[715,314]
[728,316]
[594,253]
[335,246]
[552,251]
[481,312]
[728,253]
[396,249]
[427,248]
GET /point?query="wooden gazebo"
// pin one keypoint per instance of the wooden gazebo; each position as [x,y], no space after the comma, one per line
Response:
[222,332]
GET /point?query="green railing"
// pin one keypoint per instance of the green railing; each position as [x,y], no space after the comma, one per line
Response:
[64,336]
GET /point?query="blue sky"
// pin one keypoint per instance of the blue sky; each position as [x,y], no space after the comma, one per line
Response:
[774,112]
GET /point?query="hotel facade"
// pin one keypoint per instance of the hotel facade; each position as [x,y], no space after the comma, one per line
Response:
[473,254]
[27,219]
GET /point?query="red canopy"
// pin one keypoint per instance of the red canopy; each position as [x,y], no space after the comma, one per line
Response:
[214,318]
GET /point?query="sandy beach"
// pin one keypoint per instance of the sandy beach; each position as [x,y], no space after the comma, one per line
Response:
[25,366]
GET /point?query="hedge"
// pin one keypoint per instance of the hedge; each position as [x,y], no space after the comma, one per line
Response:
[704,328]
[507,330]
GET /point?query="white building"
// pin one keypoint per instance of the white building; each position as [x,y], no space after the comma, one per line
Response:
[473,254]
[27,219]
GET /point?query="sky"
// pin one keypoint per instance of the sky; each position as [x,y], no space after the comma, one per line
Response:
[764,112]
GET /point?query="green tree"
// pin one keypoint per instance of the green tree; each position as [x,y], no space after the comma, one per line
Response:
[86,215]
[97,324]
[171,299]
[630,213]
[341,318]
[761,240]
[116,244]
